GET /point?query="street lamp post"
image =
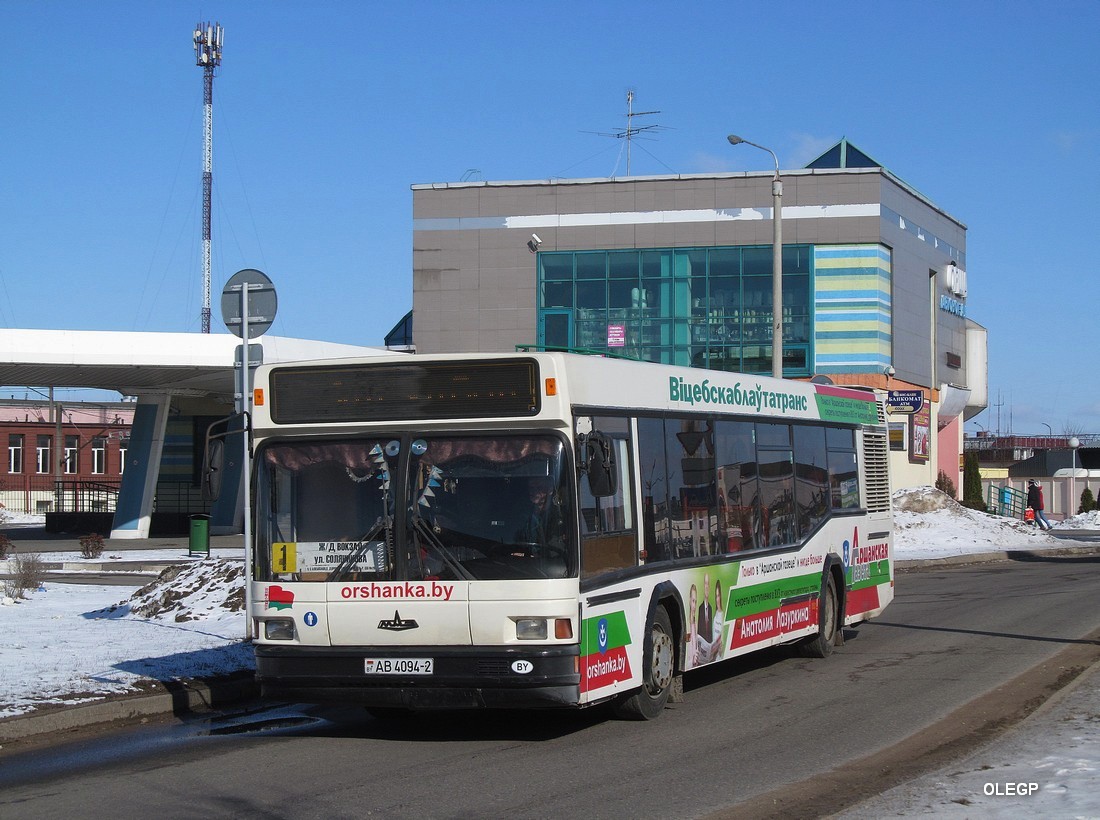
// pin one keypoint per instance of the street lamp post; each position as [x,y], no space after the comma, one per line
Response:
[777,259]
[1074,443]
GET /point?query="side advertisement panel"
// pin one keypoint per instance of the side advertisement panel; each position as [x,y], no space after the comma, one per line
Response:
[610,650]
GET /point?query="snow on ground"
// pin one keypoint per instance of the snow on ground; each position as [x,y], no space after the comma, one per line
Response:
[69,643]
[72,643]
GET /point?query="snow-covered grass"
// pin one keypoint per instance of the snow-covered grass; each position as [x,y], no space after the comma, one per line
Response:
[71,643]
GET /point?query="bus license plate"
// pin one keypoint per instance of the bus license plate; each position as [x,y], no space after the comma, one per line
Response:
[399,666]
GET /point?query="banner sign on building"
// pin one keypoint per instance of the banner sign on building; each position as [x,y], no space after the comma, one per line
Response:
[616,336]
[920,436]
[904,401]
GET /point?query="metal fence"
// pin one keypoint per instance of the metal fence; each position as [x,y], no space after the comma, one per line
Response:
[41,494]
[1061,495]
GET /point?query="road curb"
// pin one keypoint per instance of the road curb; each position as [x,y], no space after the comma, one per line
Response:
[173,697]
[1088,550]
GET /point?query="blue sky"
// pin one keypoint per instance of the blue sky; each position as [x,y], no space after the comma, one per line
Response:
[325,114]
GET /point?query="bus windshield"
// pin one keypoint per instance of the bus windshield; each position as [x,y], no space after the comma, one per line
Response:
[410,507]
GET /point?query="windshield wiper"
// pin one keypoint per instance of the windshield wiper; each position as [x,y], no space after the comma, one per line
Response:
[424,530]
[352,558]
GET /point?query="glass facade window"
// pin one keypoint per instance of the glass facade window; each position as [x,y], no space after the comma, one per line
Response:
[702,307]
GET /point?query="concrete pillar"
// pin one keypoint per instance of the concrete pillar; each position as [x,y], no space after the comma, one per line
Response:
[134,511]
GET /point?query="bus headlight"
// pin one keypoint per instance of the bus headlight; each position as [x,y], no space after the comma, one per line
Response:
[279,629]
[531,629]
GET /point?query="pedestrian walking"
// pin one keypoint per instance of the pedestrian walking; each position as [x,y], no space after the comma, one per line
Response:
[1035,501]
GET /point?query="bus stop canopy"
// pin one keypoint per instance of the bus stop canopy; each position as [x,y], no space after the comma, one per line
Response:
[135,363]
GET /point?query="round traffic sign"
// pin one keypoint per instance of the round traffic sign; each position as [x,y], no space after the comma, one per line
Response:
[263,303]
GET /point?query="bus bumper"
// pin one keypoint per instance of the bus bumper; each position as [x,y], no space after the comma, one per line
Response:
[461,679]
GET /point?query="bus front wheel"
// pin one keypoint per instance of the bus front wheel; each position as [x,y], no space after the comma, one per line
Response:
[823,643]
[649,701]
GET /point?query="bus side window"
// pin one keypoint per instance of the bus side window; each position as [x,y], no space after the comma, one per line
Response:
[653,472]
[843,468]
[608,539]
[738,497]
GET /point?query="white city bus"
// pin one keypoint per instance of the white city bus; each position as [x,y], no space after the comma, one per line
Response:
[552,529]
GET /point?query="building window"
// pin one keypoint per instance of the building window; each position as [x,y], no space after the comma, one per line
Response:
[42,452]
[99,456]
[123,446]
[703,307]
[15,454]
[72,455]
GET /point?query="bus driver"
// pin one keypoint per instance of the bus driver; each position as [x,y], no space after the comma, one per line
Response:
[543,526]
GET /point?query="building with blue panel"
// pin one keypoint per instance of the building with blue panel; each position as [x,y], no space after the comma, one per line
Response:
[678,269]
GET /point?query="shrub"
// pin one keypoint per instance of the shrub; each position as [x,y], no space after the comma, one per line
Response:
[5,546]
[1088,503]
[972,483]
[91,545]
[28,572]
[944,484]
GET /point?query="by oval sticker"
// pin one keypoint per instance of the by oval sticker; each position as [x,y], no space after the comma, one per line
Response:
[522,667]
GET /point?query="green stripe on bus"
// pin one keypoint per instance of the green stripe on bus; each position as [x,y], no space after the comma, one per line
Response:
[618,633]
[756,598]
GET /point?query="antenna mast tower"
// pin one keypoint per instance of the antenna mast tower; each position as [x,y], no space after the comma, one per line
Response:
[631,131]
[208,54]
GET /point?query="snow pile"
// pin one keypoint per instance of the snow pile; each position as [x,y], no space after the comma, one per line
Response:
[1081,521]
[929,523]
[211,590]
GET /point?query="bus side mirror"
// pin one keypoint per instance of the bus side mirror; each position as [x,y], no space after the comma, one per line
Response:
[213,464]
[213,457]
[597,461]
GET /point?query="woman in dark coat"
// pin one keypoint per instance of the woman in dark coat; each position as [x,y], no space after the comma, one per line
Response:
[1035,501]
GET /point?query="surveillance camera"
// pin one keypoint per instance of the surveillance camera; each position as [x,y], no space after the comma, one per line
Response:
[889,370]
[535,237]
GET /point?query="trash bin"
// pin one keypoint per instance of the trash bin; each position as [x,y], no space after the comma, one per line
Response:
[199,543]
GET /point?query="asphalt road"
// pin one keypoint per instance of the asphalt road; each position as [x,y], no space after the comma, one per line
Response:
[959,653]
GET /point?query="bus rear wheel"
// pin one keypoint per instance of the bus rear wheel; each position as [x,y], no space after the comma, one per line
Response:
[823,643]
[649,701]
